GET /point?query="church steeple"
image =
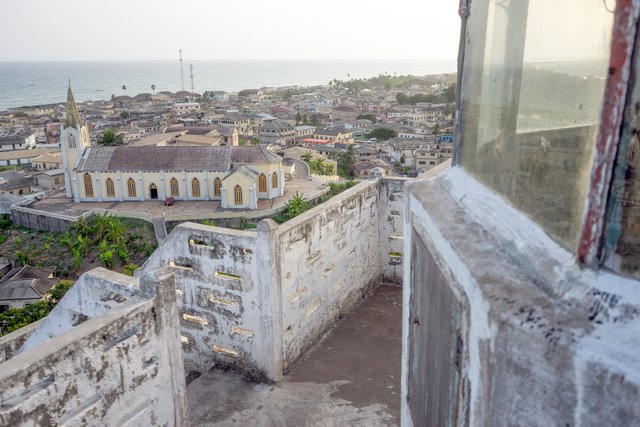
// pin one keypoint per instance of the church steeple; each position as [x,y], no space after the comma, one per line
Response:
[73,117]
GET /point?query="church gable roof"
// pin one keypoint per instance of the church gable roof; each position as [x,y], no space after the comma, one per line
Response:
[151,158]
[176,158]
[242,170]
[253,155]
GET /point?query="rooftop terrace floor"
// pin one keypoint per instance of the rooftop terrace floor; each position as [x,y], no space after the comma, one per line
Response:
[59,203]
[351,377]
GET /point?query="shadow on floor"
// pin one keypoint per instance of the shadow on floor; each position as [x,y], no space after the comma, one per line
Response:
[350,378]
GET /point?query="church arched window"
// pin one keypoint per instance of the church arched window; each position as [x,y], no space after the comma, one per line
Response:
[71,141]
[175,192]
[237,195]
[195,187]
[274,180]
[111,191]
[217,187]
[131,187]
[262,183]
[88,185]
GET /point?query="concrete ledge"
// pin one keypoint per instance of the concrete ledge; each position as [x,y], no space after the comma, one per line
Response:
[545,343]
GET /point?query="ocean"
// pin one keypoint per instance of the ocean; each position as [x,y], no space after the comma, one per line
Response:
[33,83]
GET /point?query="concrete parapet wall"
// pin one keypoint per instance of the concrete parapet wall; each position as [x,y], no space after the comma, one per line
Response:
[391,227]
[523,333]
[256,300]
[222,293]
[121,367]
[329,258]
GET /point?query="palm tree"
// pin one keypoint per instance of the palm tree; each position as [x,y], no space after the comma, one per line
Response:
[296,205]
[153,89]
[307,157]
[124,88]
[110,138]
[348,158]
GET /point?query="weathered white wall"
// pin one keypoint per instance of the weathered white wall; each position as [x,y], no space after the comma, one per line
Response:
[391,214]
[224,293]
[330,258]
[256,300]
[91,295]
[542,339]
[121,367]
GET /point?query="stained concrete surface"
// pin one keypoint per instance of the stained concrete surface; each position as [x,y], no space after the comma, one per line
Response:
[350,378]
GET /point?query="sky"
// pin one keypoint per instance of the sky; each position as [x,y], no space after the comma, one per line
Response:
[48,30]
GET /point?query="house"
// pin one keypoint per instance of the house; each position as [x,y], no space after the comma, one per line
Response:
[240,121]
[278,132]
[22,140]
[333,134]
[50,178]
[25,285]
[304,131]
[365,169]
[15,183]
[185,108]
[344,113]
[47,161]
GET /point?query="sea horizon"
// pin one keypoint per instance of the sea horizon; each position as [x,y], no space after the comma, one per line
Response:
[25,83]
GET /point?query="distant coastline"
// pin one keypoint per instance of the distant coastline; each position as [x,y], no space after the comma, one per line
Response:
[28,83]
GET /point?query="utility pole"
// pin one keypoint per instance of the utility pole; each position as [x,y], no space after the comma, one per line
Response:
[181,69]
[191,71]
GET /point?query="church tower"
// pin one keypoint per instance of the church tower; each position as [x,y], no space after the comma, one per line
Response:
[74,139]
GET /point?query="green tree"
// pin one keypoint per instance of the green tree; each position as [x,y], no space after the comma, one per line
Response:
[298,118]
[307,157]
[383,133]
[153,89]
[348,159]
[449,94]
[436,129]
[110,138]
[296,205]
[105,255]
[371,117]
[124,89]
[125,115]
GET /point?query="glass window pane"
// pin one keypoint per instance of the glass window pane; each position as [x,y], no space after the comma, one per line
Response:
[532,85]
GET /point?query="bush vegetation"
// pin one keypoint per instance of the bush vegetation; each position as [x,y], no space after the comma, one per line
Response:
[15,318]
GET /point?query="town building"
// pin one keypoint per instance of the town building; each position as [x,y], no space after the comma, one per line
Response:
[25,285]
[278,132]
[16,183]
[185,108]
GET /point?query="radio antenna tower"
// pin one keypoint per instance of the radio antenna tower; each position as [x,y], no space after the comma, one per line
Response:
[181,69]
[191,71]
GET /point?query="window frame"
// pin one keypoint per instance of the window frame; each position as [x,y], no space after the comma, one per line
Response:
[110,187]
[237,195]
[88,185]
[195,187]
[623,45]
[132,191]
[174,187]
[217,187]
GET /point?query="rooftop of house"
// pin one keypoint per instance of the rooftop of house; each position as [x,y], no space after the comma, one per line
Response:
[26,283]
